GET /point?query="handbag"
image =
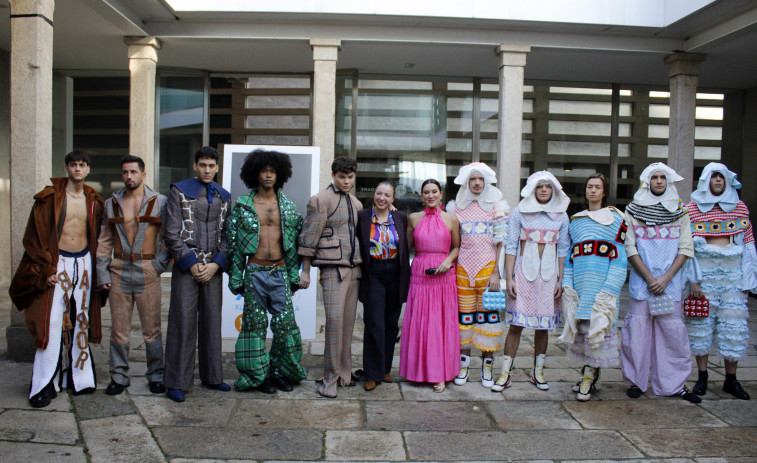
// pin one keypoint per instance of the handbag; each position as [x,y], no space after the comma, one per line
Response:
[660,305]
[494,300]
[696,308]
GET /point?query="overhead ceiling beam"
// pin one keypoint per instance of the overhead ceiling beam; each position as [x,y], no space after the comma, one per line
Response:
[415,34]
[699,41]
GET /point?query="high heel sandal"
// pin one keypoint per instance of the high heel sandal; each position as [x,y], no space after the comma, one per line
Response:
[440,387]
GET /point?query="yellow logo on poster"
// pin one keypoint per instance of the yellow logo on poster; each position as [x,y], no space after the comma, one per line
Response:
[238,323]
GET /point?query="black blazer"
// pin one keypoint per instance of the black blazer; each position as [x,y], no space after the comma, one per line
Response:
[364,235]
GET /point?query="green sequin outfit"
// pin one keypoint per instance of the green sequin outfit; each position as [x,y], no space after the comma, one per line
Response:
[253,361]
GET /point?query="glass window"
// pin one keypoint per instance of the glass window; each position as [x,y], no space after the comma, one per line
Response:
[101,128]
[407,131]
[180,125]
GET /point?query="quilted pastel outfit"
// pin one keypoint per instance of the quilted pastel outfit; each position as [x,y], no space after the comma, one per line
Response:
[536,276]
[483,225]
[658,231]
[724,272]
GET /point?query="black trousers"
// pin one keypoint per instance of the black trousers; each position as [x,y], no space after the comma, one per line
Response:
[381,313]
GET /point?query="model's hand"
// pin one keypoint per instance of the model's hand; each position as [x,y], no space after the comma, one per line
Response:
[511,287]
[52,280]
[494,281]
[195,270]
[304,280]
[104,287]
[658,285]
[696,291]
[443,267]
[206,273]
[558,290]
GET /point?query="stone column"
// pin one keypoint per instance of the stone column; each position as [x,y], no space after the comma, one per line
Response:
[31,84]
[325,53]
[143,62]
[683,72]
[512,61]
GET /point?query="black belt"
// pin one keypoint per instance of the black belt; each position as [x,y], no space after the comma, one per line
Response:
[383,261]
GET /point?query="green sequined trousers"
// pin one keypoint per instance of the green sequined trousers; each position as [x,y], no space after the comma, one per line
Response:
[253,361]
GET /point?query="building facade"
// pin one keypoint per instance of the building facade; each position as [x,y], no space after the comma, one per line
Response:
[411,90]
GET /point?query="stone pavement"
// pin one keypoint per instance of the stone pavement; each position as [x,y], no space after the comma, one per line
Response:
[395,422]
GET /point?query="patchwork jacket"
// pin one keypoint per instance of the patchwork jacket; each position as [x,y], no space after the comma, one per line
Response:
[243,238]
[329,235]
[195,223]
[113,242]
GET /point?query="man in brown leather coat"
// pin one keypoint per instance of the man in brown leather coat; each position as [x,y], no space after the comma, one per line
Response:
[129,264]
[54,282]
[329,241]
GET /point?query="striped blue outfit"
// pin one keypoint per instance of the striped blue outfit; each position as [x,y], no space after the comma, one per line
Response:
[596,270]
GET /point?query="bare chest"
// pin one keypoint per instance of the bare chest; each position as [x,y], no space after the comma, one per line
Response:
[268,213]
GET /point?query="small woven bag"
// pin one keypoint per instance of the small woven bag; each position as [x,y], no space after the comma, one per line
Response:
[696,308]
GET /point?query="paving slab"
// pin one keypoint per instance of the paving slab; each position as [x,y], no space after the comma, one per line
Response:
[364,446]
[641,414]
[472,391]
[734,412]
[642,460]
[120,439]
[298,414]
[725,460]
[162,411]
[14,388]
[559,391]
[39,426]
[426,416]
[518,445]
[101,405]
[23,452]
[532,415]
[239,443]
[607,390]
[716,442]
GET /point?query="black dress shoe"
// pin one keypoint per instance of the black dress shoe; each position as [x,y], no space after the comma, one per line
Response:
[156,387]
[114,388]
[43,397]
[267,387]
[634,392]
[734,388]
[283,383]
[700,388]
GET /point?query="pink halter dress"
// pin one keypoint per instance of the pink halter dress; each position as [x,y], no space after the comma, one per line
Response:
[430,343]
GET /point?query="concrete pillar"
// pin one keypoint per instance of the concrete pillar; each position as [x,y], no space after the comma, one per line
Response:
[683,72]
[325,53]
[63,121]
[31,83]
[5,168]
[143,62]
[512,62]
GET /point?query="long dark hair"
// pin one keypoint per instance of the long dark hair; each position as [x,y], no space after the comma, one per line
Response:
[431,180]
[605,188]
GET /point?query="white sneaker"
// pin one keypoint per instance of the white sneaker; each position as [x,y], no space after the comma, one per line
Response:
[462,377]
[504,380]
[487,377]
[537,374]
[586,386]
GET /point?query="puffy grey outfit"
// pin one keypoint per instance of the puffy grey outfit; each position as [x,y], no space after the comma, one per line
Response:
[195,233]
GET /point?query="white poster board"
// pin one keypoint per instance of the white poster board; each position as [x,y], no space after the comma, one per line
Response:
[299,188]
